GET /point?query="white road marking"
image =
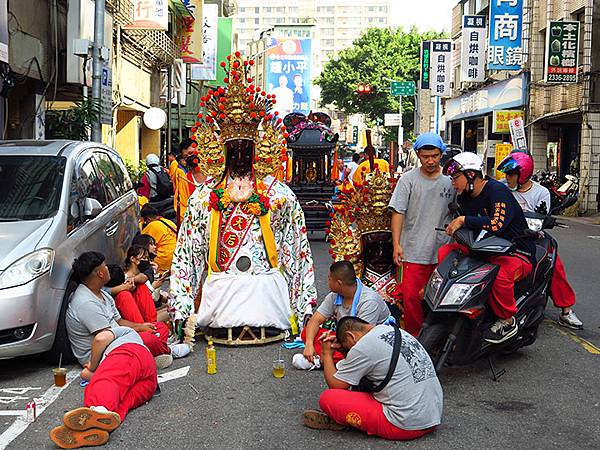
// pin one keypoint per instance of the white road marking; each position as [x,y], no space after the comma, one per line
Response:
[168,376]
[9,400]
[12,413]
[19,425]
[19,391]
[594,237]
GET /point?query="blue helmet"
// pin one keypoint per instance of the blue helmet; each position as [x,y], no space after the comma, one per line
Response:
[429,140]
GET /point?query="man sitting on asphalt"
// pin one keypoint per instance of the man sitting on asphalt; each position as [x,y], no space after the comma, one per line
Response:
[122,376]
[407,407]
[92,310]
[348,297]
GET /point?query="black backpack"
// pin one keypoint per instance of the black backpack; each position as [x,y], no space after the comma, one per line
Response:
[164,186]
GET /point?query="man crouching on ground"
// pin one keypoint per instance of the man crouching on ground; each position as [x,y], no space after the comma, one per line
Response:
[408,407]
[122,376]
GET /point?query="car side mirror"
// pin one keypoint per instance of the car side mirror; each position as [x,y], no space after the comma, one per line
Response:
[91,208]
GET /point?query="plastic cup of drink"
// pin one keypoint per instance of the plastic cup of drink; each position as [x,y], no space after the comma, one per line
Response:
[60,376]
[279,368]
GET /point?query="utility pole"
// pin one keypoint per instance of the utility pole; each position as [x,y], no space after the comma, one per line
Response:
[97,65]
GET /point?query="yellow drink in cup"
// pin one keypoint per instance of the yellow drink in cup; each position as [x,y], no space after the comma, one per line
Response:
[279,368]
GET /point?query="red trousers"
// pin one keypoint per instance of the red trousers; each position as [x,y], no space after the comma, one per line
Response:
[362,411]
[512,268]
[414,279]
[157,344]
[337,356]
[125,379]
[136,306]
[561,291]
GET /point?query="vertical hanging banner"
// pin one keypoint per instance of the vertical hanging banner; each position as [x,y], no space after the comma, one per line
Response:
[441,68]
[191,35]
[149,15]
[207,70]
[224,43]
[562,52]
[288,74]
[505,49]
[473,46]
[425,64]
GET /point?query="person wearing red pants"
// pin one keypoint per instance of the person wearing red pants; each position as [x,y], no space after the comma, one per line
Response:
[533,197]
[409,406]
[419,205]
[112,391]
[488,207]
[92,310]
[348,297]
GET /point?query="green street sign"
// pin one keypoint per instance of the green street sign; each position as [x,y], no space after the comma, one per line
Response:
[405,88]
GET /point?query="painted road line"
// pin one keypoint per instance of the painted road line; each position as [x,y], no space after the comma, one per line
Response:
[12,413]
[19,425]
[587,345]
[172,375]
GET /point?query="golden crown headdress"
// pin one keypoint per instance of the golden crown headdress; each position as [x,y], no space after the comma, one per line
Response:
[362,209]
[240,110]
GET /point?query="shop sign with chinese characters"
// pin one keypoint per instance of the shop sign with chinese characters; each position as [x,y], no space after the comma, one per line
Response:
[441,68]
[207,70]
[501,119]
[150,15]
[425,64]
[473,48]
[562,52]
[505,49]
[191,35]
[502,151]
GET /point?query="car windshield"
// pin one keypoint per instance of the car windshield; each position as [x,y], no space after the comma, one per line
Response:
[31,186]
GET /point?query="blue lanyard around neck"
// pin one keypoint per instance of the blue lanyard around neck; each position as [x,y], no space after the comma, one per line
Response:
[339,300]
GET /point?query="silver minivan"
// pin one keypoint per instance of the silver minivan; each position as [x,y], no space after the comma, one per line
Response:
[58,199]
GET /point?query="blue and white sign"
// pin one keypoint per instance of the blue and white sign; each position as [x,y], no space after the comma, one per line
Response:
[288,74]
[505,49]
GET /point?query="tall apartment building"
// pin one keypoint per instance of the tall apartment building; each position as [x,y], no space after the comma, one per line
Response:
[337,22]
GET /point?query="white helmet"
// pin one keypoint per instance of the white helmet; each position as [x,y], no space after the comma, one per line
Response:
[152,160]
[462,162]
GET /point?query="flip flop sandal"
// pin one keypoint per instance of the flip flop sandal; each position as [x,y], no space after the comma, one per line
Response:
[318,420]
[66,438]
[81,419]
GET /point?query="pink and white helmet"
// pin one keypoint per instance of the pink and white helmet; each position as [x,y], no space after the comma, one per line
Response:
[520,163]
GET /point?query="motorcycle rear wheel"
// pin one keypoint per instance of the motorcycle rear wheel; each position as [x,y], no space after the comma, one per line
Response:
[433,338]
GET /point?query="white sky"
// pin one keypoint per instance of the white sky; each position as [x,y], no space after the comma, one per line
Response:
[427,15]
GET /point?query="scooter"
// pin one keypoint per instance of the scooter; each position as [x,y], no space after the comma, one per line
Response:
[558,193]
[456,296]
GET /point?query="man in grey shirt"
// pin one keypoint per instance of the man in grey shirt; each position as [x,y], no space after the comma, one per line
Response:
[407,407]
[348,297]
[122,376]
[92,310]
[419,205]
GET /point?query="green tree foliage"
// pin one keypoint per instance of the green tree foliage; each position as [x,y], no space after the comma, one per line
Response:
[74,123]
[378,55]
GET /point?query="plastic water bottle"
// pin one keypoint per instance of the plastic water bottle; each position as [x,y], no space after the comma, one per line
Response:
[211,359]
[294,324]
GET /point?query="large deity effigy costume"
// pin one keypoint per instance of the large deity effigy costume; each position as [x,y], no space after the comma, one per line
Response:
[245,227]
[360,232]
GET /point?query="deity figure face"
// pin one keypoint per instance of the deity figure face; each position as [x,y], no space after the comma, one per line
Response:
[240,153]
[378,251]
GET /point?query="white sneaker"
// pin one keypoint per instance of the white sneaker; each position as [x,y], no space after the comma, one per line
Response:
[180,350]
[163,361]
[570,320]
[301,363]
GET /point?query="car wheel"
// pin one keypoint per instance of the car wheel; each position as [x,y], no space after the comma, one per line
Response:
[61,339]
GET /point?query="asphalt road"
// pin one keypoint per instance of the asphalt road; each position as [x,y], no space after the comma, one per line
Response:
[549,397]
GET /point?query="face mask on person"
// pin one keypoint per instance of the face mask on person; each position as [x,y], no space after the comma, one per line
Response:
[144,265]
